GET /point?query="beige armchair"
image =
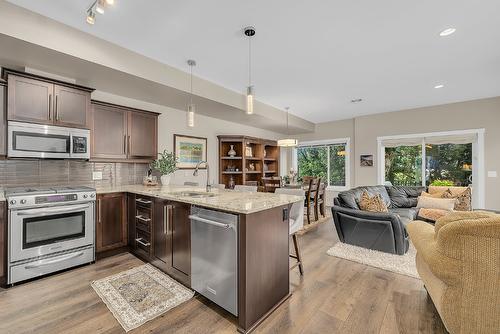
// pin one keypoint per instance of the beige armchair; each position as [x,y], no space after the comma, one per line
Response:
[458,260]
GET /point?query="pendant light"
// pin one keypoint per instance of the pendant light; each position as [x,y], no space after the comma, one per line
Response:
[191,108]
[288,142]
[249,32]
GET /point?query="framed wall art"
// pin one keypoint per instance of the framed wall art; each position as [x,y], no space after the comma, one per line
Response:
[189,151]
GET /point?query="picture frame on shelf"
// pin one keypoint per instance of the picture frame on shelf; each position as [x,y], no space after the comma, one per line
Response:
[189,151]
[248,152]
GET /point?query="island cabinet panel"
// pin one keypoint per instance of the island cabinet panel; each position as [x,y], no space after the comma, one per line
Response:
[172,239]
[72,106]
[30,100]
[3,119]
[263,265]
[3,243]
[35,99]
[111,221]
[142,135]
[123,134]
[109,132]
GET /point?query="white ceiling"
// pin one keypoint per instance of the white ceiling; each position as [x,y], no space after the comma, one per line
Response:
[314,56]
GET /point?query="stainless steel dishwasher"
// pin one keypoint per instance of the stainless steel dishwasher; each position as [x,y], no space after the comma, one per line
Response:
[214,256]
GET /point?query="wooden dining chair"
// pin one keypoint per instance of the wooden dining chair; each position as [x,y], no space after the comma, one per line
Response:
[319,204]
[270,184]
[312,197]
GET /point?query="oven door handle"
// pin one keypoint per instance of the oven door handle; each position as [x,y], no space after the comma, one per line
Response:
[46,212]
[42,263]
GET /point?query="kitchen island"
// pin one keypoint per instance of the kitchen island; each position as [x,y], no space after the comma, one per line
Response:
[159,232]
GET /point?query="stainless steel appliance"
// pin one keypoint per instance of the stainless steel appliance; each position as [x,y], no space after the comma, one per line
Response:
[50,229]
[214,256]
[26,140]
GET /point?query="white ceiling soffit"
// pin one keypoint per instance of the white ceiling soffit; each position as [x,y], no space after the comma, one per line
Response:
[315,56]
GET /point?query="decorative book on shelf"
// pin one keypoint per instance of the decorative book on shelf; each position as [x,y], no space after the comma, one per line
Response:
[244,159]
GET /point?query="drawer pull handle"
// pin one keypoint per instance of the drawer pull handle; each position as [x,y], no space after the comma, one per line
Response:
[140,200]
[145,244]
[143,218]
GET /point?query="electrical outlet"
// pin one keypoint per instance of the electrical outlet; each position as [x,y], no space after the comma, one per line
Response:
[96,176]
[492,173]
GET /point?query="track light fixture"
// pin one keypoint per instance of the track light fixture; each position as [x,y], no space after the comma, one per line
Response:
[98,6]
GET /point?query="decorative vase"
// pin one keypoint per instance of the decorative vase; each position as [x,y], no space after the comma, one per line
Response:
[232,152]
[231,183]
[165,180]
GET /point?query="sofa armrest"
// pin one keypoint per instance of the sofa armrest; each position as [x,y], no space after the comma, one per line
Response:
[445,268]
[365,214]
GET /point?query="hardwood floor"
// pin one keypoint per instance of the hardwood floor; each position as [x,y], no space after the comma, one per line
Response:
[334,296]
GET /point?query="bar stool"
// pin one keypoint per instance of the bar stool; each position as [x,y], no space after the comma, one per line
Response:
[296,220]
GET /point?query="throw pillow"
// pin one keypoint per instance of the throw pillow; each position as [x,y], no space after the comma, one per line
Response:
[436,203]
[432,214]
[372,203]
[434,195]
[464,199]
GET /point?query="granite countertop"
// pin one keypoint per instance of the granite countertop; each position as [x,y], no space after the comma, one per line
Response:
[227,200]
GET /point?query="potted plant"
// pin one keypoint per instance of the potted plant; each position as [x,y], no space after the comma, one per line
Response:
[166,164]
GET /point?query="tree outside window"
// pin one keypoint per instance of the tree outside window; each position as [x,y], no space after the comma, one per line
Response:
[326,161]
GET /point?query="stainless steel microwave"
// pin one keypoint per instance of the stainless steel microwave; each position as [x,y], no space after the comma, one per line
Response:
[27,140]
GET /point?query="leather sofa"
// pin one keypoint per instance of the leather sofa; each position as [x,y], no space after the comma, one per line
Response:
[458,260]
[384,232]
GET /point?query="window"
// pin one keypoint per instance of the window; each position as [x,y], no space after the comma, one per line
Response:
[326,159]
[454,158]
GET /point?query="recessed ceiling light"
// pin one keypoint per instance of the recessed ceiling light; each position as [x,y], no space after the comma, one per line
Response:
[447,32]
[356,100]
[439,86]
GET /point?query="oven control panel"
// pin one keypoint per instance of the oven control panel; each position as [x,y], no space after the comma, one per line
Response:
[55,198]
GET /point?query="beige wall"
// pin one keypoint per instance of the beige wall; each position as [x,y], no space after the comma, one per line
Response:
[484,113]
[173,121]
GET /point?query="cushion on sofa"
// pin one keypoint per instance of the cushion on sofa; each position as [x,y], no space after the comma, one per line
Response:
[404,197]
[464,199]
[350,198]
[436,203]
[373,203]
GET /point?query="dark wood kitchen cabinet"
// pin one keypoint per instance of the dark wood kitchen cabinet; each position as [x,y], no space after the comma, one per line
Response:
[3,119]
[36,99]
[111,221]
[172,239]
[123,134]
[3,243]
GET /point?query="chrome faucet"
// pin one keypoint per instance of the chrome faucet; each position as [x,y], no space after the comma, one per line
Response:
[195,173]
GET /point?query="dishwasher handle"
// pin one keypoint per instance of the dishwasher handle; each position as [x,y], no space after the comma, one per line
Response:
[210,222]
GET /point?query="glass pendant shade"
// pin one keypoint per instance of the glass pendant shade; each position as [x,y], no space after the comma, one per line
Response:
[288,142]
[250,96]
[190,115]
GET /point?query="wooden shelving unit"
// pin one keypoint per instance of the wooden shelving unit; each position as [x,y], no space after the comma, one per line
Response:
[264,153]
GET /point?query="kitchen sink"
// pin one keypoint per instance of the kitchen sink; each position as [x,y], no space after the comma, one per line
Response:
[195,194]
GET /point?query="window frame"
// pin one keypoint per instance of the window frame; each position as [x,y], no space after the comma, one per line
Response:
[478,175]
[345,141]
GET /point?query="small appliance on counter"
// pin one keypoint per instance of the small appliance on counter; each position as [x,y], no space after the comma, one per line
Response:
[50,229]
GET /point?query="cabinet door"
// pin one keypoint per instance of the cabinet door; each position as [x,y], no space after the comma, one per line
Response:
[30,100]
[142,132]
[111,227]
[162,236]
[72,107]
[3,243]
[109,132]
[181,237]
[3,120]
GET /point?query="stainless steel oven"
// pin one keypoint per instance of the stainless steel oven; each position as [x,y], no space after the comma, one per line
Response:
[26,140]
[49,231]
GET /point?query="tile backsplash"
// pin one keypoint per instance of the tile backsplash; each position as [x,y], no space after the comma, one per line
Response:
[19,173]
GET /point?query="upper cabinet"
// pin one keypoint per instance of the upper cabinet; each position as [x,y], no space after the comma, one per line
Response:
[121,133]
[3,119]
[45,101]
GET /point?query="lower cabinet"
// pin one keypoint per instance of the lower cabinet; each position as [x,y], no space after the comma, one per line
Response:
[3,243]
[140,219]
[172,239]
[111,221]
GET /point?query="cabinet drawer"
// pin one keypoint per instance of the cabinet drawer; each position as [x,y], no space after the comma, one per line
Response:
[143,202]
[143,242]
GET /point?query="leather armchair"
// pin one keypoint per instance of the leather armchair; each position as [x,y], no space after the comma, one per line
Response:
[379,231]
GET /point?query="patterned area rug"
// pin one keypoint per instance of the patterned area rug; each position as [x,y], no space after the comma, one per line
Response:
[140,294]
[400,264]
